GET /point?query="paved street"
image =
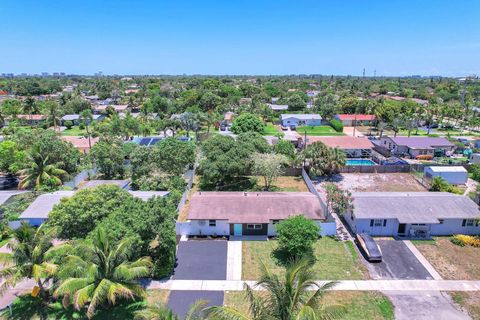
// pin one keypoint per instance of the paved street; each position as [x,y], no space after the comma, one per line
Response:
[180,301]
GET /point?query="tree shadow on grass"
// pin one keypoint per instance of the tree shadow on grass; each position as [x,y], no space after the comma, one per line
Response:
[284,259]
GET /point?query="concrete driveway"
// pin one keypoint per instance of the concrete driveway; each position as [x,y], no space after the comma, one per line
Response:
[425,306]
[180,301]
[398,263]
[201,260]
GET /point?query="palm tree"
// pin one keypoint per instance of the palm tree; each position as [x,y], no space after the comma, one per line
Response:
[161,312]
[101,274]
[40,172]
[29,106]
[30,258]
[287,297]
[86,118]
[52,113]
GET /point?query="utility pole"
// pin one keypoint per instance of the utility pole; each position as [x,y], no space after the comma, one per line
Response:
[355,123]
[374,73]
[364,72]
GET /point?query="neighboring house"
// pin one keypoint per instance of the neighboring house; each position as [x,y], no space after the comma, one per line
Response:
[354,147]
[275,100]
[300,119]
[413,214]
[350,120]
[38,211]
[32,119]
[278,107]
[228,116]
[417,146]
[476,143]
[7,194]
[102,109]
[245,101]
[451,174]
[251,213]
[75,118]
[475,158]
[81,143]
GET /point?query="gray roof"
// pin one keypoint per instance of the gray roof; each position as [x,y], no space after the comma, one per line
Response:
[41,207]
[311,116]
[72,117]
[413,207]
[95,183]
[421,142]
[5,195]
[278,106]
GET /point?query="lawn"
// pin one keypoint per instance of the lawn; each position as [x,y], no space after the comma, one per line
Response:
[14,206]
[452,262]
[74,131]
[335,260]
[357,304]
[272,130]
[285,184]
[319,131]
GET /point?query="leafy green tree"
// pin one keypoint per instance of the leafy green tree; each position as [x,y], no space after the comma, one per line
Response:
[101,274]
[326,106]
[286,148]
[247,122]
[269,166]
[296,236]
[174,156]
[109,158]
[322,160]
[51,110]
[337,125]
[439,184]
[287,297]
[11,158]
[296,102]
[39,173]
[31,257]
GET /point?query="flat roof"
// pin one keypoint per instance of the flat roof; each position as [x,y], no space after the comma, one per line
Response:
[7,194]
[301,116]
[253,207]
[342,142]
[448,169]
[95,183]
[421,142]
[413,207]
[41,207]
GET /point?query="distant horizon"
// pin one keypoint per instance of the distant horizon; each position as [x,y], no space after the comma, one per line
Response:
[396,38]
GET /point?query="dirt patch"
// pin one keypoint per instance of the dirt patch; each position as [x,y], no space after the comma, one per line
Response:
[286,184]
[452,262]
[182,215]
[469,301]
[379,182]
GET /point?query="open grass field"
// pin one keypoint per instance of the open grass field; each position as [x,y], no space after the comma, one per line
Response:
[335,260]
[74,131]
[357,304]
[271,130]
[452,262]
[319,131]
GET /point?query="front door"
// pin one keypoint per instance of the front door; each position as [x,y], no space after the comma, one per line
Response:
[237,229]
[401,229]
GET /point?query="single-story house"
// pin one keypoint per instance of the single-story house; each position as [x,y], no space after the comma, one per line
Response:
[38,211]
[350,120]
[475,158]
[354,147]
[251,213]
[81,143]
[476,143]
[300,119]
[277,107]
[417,146]
[451,174]
[245,101]
[75,118]
[122,184]
[101,109]
[413,214]
[7,194]
[31,119]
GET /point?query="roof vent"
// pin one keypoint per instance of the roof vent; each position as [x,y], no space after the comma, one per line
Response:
[245,194]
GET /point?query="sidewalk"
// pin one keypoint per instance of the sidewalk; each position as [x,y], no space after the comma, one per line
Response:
[346,285]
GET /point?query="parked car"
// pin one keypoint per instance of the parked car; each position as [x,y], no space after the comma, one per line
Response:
[293,127]
[223,127]
[284,127]
[8,182]
[370,247]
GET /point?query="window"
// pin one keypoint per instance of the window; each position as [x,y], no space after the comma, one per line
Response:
[212,223]
[275,221]
[440,221]
[254,226]
[418,224]
[378,222]
[468,222]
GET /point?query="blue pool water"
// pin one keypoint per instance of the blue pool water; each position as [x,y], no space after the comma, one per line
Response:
[360,162]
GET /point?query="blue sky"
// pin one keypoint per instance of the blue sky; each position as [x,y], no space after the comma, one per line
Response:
[428,37]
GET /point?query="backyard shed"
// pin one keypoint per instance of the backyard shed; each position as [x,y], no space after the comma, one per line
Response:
[451,174]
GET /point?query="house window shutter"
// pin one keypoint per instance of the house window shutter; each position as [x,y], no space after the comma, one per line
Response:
[384,222]
[464,222]
[371,223]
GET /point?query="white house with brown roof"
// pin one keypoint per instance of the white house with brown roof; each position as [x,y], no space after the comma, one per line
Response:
[251,213]
[354,147]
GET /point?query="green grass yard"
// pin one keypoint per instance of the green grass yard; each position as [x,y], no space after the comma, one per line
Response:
[319,131]
[335,260]
[356,304]
[272,130]
[74,131]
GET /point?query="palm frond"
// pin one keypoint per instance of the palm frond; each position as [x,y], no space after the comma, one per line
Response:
[224,313]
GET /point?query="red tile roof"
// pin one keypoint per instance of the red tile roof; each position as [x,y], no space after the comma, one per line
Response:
[80,142]
[343,142]
[358,117]
[253,207]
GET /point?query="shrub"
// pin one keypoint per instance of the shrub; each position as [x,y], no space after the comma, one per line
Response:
[247,122]
[81,126]
[464,240]
[68,124]
[337,125]
[296,236]
[424,157]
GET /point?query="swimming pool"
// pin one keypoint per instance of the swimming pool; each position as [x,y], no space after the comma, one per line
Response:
[360,162]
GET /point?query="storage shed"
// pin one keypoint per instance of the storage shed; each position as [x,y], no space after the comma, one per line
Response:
[451,174]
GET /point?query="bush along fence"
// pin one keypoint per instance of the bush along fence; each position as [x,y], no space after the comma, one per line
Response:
[79,178]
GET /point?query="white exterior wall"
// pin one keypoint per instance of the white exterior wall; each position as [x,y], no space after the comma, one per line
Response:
[450,177]
[326,228]
[451,227]
[195,227]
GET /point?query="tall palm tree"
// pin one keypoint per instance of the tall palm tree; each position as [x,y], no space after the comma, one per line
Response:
[161,312]
[287,297]
[101,274]
[86,118]
[52,112]
[29,106]
[40,171]
[30,258]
